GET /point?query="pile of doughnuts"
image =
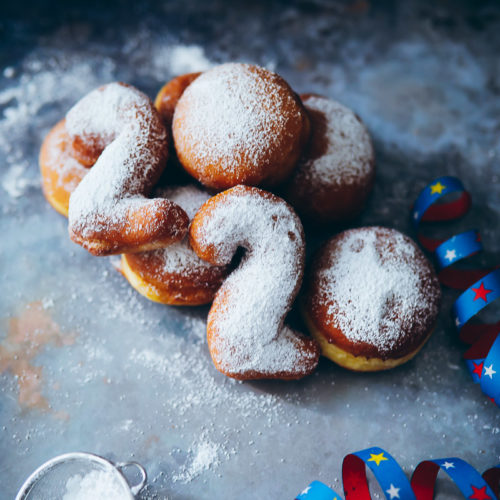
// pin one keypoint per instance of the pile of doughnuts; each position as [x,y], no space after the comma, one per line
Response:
[176,187]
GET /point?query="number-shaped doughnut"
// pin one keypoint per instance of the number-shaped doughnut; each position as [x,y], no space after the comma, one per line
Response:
[175,275]
[116,129]
[246,334]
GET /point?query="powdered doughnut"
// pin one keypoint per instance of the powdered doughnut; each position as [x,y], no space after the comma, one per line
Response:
[335,175]
[118,128]
[165,103]
[61,172]
[175,275]
[372,299]
[169,95]
[239,123]
[246,334]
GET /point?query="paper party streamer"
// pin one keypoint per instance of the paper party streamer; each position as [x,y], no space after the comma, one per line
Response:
[395,484]
[482,286]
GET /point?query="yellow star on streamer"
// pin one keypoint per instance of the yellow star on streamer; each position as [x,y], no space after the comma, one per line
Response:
[437,188]
[377,458]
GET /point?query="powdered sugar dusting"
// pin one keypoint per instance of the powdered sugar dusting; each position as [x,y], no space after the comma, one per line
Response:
[377,285]
[179,257]
[122,121]
[95,485]
[230,115]
[249,309]
[349,152]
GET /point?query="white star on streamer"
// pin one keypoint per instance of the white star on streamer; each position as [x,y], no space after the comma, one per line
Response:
[448,465]
[451,255]
[415,215]
[488,370]
[306,490]
[393,491]
[457,322]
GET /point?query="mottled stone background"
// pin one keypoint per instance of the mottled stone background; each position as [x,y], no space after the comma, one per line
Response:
[88,364]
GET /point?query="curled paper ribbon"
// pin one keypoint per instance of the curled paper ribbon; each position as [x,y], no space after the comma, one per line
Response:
[482,286]
[395,484]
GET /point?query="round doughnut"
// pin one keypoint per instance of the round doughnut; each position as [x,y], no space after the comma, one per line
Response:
[165,102]
[239,124]
[247,337]
[116,129]
[175,275]
[169,95]
[61,172]
[336,172]
[371,299]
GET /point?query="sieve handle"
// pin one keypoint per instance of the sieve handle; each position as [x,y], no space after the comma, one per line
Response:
[135,488]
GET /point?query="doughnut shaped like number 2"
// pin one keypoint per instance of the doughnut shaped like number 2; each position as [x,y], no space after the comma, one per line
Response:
[116,130]
[246,334]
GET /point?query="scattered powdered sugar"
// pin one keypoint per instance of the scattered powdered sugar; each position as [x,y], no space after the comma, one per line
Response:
[194,394]
[205,456]
[249,308]
[121,120]
[348,153]
[47,81]
[28,106]
[15,182]
[188,59]
[378,285]
[96,485]
[232,115]
[164,61]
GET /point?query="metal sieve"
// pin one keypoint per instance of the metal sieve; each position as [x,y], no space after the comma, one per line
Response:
[52,479]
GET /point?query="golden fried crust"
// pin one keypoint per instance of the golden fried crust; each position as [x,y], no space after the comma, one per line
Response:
[265,154]
[357,363]
[137,233]
[169,95]
[61,172]
[145,272]
[166,102]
